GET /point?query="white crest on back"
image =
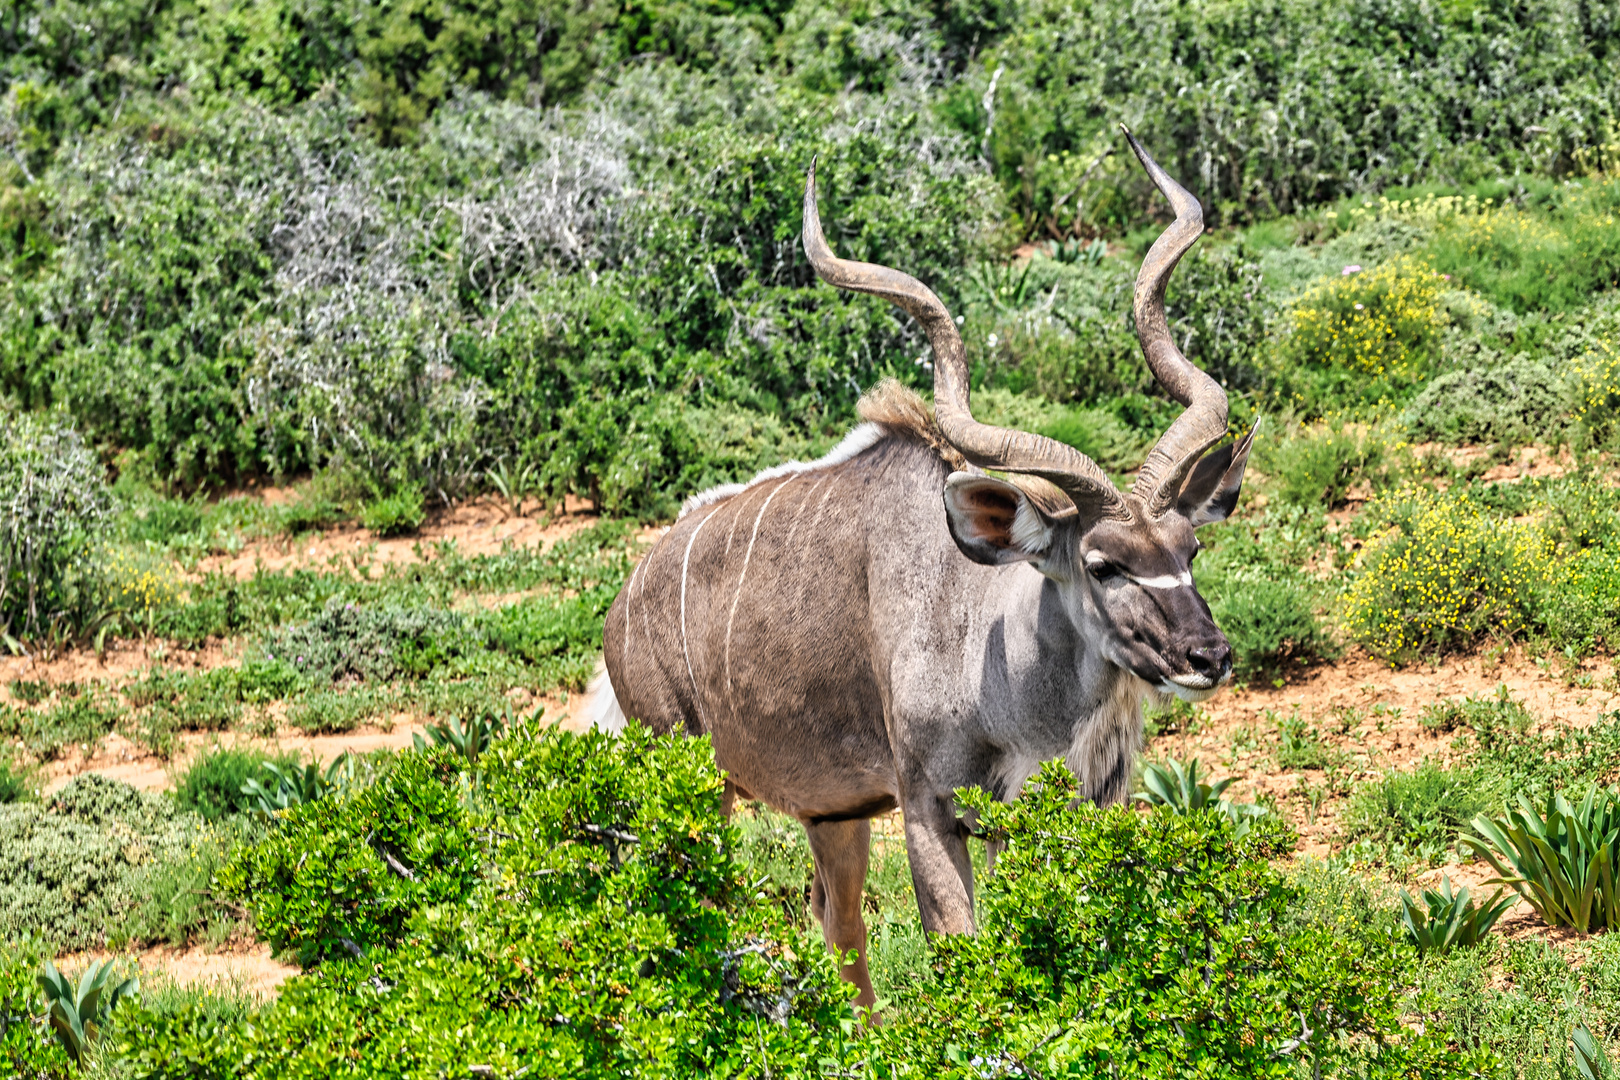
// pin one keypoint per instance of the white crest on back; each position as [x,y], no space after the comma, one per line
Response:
[860,439]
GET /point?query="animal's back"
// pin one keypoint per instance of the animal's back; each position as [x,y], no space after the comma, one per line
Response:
[750,621]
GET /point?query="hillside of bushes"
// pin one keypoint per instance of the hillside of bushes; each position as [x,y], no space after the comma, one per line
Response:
[417,244]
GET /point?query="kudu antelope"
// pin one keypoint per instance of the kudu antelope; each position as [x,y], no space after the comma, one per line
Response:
[851,646]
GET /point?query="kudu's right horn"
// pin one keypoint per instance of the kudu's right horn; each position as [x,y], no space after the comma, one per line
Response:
[1203,424]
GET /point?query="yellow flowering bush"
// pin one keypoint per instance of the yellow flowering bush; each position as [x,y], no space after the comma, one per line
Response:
[1532,259]
[1426,211]
[139,585]
[1382,323]
[1443,575]
[1597,397]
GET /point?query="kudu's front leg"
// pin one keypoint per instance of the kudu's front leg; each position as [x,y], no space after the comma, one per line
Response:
[941,871]
[841,850]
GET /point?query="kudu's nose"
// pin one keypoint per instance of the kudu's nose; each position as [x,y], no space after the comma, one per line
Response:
[1211,661]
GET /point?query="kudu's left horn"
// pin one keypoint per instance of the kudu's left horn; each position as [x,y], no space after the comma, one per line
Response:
[1092,492]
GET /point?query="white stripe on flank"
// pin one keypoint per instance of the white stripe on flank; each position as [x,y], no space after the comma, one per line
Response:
[1164,581]
[797,517]
[686,561]
[646,620]
[747,555]
[630,598]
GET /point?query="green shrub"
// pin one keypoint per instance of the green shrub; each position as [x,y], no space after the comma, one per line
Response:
[1550,259]
[1515,401]
[211,786]
[175,900]
[68,865]
[1100,435]
[28,1046]
[1319,465]
[54,513]
[558,640]
[1082,898]
[16,783]
[1444,576]
[1521,998]
[1271,623]
[348,871]
[150,518]
[399,514]
[775,854]
[1300,745]
[1581,612]
[332,712]
[77,718]
[1497,716]
[1362,337]
[1423,811]
[586,909]
[1450,920]
[1501,743]
[1597,394]
[1561,862]
[31,691]
[311,511]
[348,640]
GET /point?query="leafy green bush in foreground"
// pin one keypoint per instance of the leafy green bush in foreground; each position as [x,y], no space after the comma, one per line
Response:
[1118,943]
[582,905]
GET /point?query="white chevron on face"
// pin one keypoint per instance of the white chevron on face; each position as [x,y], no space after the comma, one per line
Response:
[1164,581]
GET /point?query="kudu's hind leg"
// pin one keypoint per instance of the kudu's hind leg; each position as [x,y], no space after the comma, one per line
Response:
[841,850]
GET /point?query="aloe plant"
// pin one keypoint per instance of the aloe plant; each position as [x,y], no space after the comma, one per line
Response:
[281,789]
[1176,785]
[1447,920]
[1590,1060]
[77,1013]
[1562,862]
[469,741]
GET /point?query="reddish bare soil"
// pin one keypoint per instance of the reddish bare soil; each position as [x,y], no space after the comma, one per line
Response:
[480,526]
[1369,713]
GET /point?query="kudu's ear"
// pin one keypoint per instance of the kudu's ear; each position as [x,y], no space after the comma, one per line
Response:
[995,522]
[1211,491]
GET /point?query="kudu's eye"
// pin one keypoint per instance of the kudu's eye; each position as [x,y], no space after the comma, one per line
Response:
[1102,571]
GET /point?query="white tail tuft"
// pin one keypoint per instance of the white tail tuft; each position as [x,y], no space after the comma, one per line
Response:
[602,707]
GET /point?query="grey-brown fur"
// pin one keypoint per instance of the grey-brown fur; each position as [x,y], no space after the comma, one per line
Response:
[851,645]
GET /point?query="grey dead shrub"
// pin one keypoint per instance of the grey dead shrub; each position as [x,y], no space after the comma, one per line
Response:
[54,513]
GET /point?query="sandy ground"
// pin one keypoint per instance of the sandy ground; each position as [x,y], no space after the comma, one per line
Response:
[1370,714]
[246,966]
[480,526]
